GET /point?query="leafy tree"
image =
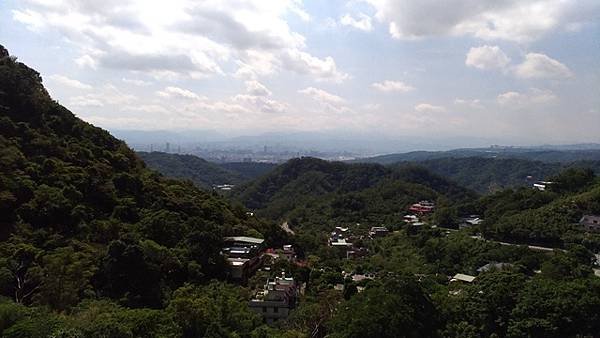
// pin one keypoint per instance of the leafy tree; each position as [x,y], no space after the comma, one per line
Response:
[215,309]
[398,308]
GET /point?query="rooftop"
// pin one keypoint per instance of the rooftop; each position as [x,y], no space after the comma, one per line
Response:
[463,278]
[244,239]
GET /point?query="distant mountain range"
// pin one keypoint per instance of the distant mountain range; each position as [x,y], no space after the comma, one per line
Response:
[560,154]
[481,170]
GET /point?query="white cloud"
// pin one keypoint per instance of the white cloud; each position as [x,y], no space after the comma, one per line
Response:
[85,101]
[363,22]
[429,108]
[487,57]
[256,88]
[534,96]
[65,81]
[136,82]
[182,38]
[86,61]
[540,66]
[304,63]
[171,91]
[371,106]
[392,86]
[32,19]
[321,95]
[503,19]
[261,103]
[472,103]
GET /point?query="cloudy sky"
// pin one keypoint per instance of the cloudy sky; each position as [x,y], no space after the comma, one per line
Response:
[524,71]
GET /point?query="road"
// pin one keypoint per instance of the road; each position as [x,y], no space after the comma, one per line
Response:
[531,247]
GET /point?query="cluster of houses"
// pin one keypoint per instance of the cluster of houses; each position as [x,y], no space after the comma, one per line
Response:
[422,208]
[287,252]
[245,256]
[413,220]
[342,237]
[418,210]
[276,299]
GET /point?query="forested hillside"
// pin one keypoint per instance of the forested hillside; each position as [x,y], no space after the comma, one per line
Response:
[204,173]
[312,190]
[87,229]
[488,175]
[249,170]
[549,293]
[548,218]
[201,172]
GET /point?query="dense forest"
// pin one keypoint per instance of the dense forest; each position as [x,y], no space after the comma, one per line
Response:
[249,170]
[95,244]
[310,189]
[542,217]
[203,173]
[488,175]
[483,175]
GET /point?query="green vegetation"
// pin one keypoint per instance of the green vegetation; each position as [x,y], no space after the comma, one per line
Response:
[203,173]
[547,218]
[84,221]
[312,190]
[249,170]
[488,175]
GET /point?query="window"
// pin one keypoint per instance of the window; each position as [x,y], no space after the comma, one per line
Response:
[264,309]
[276,309]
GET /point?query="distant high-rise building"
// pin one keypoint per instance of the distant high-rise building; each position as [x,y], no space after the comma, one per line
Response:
[167,147]
[265,149]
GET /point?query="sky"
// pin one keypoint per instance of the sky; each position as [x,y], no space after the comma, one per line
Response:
[518,71]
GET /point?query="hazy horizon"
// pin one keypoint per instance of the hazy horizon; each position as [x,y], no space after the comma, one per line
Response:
[467,73]
[363,144]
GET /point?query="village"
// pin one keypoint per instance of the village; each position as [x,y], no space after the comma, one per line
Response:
[276,292]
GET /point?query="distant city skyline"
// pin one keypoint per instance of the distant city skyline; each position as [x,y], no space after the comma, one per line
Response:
[510,72]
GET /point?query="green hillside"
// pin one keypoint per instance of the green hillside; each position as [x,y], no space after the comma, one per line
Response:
[203,173]
[82,219]
[309,191]
[249,170]
[487,175]
[548,218]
